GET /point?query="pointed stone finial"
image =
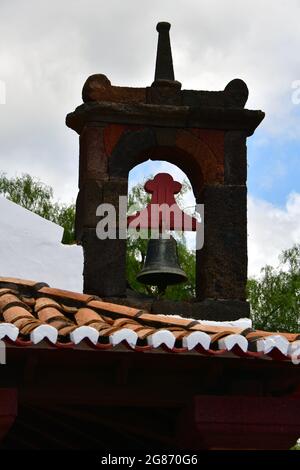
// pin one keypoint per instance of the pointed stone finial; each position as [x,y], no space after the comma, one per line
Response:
[164,63]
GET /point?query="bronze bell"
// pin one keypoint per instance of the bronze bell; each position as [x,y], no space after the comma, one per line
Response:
[161,267]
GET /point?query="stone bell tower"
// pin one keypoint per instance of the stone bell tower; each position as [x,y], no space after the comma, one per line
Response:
[202,132]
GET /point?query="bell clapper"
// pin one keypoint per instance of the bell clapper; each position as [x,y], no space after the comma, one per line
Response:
[161,291]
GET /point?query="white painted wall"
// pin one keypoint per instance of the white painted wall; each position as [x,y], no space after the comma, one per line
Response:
[31,248]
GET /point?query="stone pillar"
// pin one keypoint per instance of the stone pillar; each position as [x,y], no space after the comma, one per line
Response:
[104,260]
[222,263]
[235,158]
[93,171]
[104,265]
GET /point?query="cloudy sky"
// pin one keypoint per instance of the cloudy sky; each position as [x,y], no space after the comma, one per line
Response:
[48,49]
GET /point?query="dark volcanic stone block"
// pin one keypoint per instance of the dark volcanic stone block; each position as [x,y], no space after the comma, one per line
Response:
[220,310]
[88,199]
[166,137]
[104,265]
[127,152]
[172,307]
[167,95]
[217,310]
[235,157]
[236,93]
[93,161]
[222,262]
[114,188]
[209,309]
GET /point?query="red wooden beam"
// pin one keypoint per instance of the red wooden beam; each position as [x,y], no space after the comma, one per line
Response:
[240,422]
[8,409]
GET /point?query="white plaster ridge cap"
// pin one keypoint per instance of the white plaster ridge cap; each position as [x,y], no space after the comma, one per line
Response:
[197,337]
[233,340]
[281,343]
[243,323]
[266,345]
[9,330]
[161,337]
[83,332]
[124,334]
[42,332]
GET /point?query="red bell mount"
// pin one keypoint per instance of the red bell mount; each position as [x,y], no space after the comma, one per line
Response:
[162,212]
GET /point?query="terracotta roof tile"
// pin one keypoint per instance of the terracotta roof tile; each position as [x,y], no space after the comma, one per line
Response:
[10,300]
[44,302]
[84,316]
[49,314]
[6,291]
[66,295]
[143,332]
[66,329]
[288,336]
[6,281]
[26,326]
[30,301]
[31,312]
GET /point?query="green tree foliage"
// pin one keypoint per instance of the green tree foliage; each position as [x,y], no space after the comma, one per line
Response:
[296,446]
[275,296]
[137,249]
[37,197]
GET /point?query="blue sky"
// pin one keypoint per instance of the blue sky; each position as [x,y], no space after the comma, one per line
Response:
[273,167]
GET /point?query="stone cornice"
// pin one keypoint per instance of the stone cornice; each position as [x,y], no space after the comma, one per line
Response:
[223,118]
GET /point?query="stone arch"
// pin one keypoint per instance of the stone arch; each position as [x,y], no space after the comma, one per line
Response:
[180,147]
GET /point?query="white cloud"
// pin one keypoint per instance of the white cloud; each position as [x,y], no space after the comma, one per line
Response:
[271,229]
